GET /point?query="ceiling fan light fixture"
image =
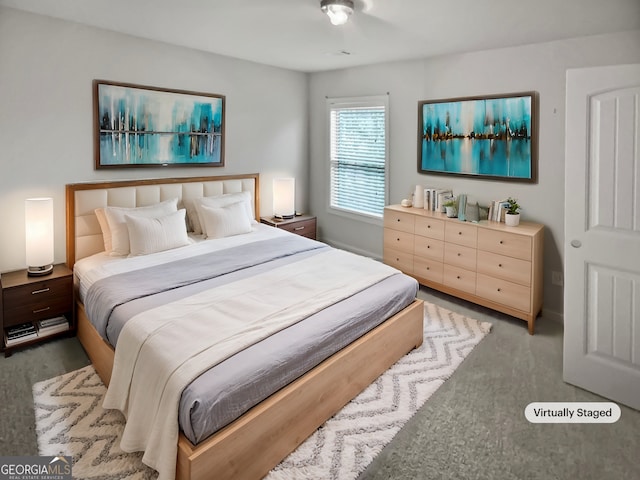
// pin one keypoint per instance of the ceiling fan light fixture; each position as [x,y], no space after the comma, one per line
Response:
[338,11]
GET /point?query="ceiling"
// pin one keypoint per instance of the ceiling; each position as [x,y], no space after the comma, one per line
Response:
[296,35]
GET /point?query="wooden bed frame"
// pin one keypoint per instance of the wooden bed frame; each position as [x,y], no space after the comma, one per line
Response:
[252,445]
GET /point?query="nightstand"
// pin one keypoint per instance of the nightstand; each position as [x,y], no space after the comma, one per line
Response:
[303,225]
[36,301]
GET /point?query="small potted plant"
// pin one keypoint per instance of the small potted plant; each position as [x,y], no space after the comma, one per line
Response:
[450,208]
[512,215]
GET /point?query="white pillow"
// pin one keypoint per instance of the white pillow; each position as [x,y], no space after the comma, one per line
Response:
[221,201]
[104,226]
[156,234]
[225,221]
[118,225]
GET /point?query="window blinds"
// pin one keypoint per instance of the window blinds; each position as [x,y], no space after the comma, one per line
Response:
[358,155]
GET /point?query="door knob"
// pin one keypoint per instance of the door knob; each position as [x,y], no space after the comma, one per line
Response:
[576,243]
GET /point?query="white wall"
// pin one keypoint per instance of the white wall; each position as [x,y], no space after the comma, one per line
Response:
[46,125]
[538,67]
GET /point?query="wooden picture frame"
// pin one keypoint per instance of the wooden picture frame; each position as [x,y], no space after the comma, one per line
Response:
[492,137]
[143,126]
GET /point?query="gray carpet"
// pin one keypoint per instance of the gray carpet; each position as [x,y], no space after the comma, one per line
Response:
[473,427]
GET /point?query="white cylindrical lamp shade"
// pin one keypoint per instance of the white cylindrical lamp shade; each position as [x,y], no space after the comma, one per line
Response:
[284,197]
[39,235]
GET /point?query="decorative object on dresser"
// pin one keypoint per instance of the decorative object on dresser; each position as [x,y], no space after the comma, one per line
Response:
[39,235]
[512,215]
[35,308]
[142,126]
[303,225]
[487,263]
[493,136]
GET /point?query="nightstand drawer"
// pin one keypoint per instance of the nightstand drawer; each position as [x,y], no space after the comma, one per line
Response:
[38,293]
[304,228]
[38,311]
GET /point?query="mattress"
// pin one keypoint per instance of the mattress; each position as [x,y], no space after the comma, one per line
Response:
[229,389]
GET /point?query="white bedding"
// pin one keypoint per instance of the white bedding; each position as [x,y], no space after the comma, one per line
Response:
[147,382]
[101,265]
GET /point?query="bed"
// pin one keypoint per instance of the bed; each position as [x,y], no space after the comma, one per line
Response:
[249,442]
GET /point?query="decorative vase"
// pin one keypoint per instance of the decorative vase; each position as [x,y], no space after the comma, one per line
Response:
[512,219]
[451,212]
[418,197]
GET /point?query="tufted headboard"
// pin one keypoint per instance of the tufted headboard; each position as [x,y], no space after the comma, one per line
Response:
[84,236]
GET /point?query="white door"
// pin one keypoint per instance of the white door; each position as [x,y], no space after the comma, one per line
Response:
[602,232]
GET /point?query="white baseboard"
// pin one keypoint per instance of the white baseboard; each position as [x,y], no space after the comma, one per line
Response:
[352,249]
[552,315]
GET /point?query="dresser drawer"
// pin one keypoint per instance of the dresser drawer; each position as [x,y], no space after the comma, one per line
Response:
[428,269]
[461,234]
[505,243]
[459,278]
[504,292]
[398,240]
[430,227]
[460,256]
[398,259]
[404,222]
[507,268]
[428,248]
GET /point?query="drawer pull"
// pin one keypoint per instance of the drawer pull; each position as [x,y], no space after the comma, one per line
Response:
[500,265]
[428,226]
[428,246]
[398,220]
[458,277]
[459,254]
[43,290]
[500,242]
[427,268]
[41,310]
[459,233]
[297,229]
[397,239]
[498,289]
[397,259]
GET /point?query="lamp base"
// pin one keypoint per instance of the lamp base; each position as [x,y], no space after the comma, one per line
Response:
[39,271]
[284,217]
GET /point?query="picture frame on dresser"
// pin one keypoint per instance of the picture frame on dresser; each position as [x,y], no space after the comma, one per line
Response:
[491,136]
[145,126]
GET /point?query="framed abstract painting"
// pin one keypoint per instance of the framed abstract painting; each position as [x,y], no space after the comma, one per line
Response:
[142,126]
[491,137]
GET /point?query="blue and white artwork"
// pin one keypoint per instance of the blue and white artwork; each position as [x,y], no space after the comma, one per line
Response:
[144,126]
[489,137]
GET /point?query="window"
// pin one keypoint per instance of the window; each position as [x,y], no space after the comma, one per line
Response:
[358,154]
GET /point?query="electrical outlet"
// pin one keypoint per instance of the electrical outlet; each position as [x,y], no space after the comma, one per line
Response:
[556,279]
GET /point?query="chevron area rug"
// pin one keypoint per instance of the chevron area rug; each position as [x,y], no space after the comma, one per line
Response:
[70,419]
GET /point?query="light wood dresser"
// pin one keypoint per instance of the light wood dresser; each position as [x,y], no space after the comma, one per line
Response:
[487,263]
